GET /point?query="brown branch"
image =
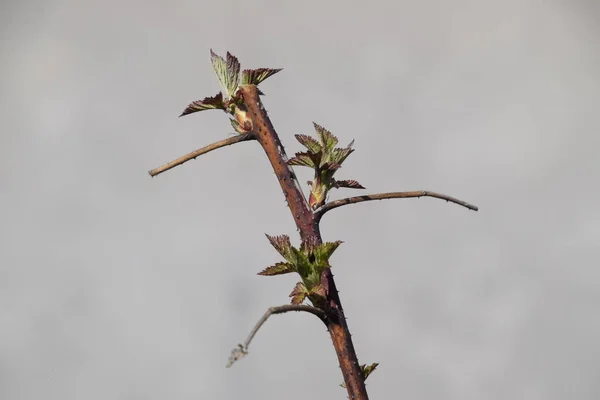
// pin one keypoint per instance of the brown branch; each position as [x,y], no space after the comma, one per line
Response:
[309,230]
[242,349]
[199,152]
[392,195]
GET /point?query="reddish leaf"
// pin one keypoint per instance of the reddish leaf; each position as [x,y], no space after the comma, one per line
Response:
[256,76]
[208,103]
[350,183]
[278,269]
[299,293]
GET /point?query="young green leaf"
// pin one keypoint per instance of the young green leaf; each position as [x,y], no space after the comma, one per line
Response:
[278,269]
[228,72]
[327,138]
[299,293]
[311,144]
[303,160]
[368,369]
[339,155]
[324,251]
[208,103]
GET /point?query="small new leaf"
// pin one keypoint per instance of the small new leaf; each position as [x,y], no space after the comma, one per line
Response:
[324,251]
[327,138]
[339,155]
[228,72]
[311,144]
[278,269]
[237,127]
[283,246]
[368,369]
[208,103]
[299,293]
[233,73]
[349,183]
[256,76]
[330,166]
[302,159]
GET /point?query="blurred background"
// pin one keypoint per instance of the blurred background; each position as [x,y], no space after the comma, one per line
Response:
[114,285]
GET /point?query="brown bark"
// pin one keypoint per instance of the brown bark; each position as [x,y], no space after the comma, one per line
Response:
[309,230]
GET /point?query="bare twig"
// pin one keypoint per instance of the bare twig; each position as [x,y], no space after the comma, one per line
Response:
[392,195]
[242,349]
[199,152]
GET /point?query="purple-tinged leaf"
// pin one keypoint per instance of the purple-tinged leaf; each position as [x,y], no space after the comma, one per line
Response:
[256,76]
[349,183]
[330,166]
[282,244]
[299,293]
[308,246]
[318,290]
[311,144]
[208,103]
[278,269]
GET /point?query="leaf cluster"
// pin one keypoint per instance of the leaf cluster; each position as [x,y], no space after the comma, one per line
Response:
[325,159]
[230,79]
[309,261]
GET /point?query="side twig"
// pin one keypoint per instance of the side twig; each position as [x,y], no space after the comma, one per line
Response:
[392,195]
[242,349]
[199,152]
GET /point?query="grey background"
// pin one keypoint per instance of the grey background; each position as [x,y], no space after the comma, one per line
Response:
[117,286]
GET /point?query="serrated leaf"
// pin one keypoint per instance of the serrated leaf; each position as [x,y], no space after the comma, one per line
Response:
[311,144]
[302,159]
[299,293]
[339,155]
[228,72]
[349,183]
[283,246]
[324,251]
[256,76]
[328,140]
[308,246]
[233,73]
[318,290]
[303,267]
[278,269]
[330,166]
[208,103]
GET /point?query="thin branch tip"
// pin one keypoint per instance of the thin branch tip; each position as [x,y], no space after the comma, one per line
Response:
[391,195]
[194,154]
[241,350]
